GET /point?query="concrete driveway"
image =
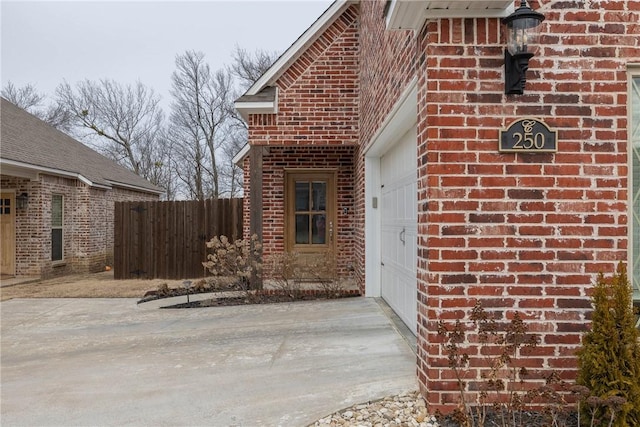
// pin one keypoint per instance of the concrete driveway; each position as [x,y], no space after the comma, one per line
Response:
[71,362]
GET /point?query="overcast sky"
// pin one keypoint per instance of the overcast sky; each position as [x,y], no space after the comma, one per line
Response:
[45,42]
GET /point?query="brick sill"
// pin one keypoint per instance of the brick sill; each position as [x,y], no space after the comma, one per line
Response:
[58,264]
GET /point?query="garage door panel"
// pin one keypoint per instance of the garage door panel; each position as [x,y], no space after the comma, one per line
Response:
[399,229]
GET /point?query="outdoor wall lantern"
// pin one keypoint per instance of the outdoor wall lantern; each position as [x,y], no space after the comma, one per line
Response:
[522,30]
[22,201]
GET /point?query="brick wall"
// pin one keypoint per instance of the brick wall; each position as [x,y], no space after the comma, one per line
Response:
[517,232]
[532,230]
[88,225]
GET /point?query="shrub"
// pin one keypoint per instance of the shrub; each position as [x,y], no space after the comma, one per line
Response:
[609,360]
[502,386]
[288,270]
[240,259]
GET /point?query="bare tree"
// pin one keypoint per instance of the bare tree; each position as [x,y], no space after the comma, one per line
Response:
[201,106]
[230,173]
[127,120]
[249,67]
[28,98]
[246,68]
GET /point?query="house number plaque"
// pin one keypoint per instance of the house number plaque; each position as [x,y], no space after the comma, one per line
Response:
[528,135]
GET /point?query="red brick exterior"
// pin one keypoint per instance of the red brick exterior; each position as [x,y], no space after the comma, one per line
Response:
[517,232]
[87,225]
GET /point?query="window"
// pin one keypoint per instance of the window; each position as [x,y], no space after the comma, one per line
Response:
[57,219]
[634,162]
[5,206]
[311,212]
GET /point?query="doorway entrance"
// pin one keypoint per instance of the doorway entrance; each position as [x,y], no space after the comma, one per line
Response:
[8,233]
[310,218]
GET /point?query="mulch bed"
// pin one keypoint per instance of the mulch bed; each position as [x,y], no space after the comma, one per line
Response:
[268,297]
[262,296]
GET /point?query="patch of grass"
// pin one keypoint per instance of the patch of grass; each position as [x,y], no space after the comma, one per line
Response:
[96,285]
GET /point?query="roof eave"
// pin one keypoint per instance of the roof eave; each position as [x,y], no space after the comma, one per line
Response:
[157,191]
[50,171]
[30,171]
[246,108]
[407,14]
[239,158]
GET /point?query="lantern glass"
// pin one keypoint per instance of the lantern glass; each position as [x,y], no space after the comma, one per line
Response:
[522,35]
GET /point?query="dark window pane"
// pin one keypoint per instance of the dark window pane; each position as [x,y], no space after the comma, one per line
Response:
[319,196]
[319,230]
[56,245]
[302,196]
[302,229]
[7,211]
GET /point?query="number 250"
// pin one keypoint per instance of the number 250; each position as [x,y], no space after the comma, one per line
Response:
[529,141]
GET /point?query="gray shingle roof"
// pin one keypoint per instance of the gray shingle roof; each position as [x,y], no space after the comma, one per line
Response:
[267,94]
[26,139]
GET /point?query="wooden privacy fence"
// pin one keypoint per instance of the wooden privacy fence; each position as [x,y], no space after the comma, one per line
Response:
[167,239]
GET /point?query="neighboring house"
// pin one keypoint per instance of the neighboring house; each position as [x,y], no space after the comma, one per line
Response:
[57,201]
[375,136]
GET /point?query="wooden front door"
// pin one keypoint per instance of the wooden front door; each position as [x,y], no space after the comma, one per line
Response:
[310,220]
[8,233]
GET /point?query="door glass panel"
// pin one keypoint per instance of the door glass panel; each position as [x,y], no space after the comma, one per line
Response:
[302,196]
[319,229]
[302,229]
[5,206]
[319,196]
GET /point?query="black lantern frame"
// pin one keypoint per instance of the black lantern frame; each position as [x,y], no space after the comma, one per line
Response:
[518,52]
[22,201]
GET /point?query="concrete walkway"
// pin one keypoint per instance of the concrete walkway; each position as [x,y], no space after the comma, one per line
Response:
[71,362]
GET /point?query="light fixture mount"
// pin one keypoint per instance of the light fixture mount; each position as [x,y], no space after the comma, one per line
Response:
[22,201]
[522,27]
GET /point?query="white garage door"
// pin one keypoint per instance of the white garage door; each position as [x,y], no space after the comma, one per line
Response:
[399,208]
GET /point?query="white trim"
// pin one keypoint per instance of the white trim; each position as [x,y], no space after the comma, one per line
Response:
[633,70]
[11,170]
[51,171]
[238,158]
[298,47]
[372,249]
[246,108]
[133,187]
[402,118]
[410,14]
[26,170]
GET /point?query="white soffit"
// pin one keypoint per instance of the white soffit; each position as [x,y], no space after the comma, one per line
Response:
[411,14]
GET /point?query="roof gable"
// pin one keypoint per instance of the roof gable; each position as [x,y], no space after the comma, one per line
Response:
[30,143]
[300,45]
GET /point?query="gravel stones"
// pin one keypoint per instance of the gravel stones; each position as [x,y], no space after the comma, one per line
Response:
[406,409]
